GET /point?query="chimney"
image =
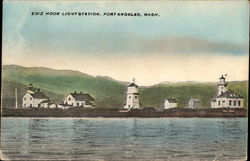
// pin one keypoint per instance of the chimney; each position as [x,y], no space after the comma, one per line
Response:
[75,92]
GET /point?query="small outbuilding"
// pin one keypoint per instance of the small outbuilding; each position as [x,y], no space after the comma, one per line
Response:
[194,103]
[170,103]
[48,104]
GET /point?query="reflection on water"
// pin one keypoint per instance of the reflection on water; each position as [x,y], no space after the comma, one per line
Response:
[124,139]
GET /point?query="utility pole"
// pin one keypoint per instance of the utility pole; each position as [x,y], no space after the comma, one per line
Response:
[16,97]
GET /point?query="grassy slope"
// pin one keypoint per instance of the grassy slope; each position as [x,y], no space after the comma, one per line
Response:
[57,84]
[8,94]
[106,92]
[155,95]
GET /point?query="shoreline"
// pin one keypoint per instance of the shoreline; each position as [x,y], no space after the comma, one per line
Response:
[113,113]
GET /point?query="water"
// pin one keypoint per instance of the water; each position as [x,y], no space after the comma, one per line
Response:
[124,139]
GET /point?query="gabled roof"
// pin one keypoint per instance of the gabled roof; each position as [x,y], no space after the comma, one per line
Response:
[171,100]
[229,94]
[39,95]
[222,77]
[133,85]
[82,97]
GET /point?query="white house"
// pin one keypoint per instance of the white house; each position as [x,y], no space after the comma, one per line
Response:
[132,98]
[33,98]
[194,103]
[170,103]
[226,97]
[79,100]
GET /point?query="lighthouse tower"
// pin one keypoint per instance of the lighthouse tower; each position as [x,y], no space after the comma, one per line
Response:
[222,86]
[30,89]
[132,99]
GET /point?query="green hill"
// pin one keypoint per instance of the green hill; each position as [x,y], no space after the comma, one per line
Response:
[107,92]
[61,82]
[155,95]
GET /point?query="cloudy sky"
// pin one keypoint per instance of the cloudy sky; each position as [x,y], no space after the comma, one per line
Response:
[189,41]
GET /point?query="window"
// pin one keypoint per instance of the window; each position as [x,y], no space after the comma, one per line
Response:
[135,96]
[129,97]
[128,105]
[24,98]
[234,103]
[239,103]
[77,104]
[30,98]
[230,102]
[69,98]
[30,105]
[219,103]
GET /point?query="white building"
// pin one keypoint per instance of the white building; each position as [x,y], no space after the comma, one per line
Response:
[63,106]
[79,100]
[132,98]
[226,97]
[48,104]
[33,98]
[170,103]
[194,103]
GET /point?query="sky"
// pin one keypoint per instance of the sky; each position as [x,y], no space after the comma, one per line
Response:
[188,41]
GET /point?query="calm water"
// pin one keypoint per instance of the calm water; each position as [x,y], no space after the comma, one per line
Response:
[124,139]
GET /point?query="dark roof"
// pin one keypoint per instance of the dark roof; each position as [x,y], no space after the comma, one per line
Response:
[133,85]
[82,97]
[39,95]
[171,100]
[229,94]
[222,77]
